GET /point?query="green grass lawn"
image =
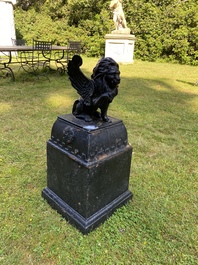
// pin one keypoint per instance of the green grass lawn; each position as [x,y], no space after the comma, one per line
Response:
[158,104]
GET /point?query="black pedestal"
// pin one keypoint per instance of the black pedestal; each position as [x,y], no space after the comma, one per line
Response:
[88,168]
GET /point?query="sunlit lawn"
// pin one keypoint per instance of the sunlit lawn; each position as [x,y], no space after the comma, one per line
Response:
[158,104]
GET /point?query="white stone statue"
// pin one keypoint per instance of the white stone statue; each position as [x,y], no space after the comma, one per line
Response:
[118,17]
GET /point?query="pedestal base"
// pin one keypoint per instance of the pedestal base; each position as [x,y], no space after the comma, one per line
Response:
[85,225]
[88,168]
[120,47]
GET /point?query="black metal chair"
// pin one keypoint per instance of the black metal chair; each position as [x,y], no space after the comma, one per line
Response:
[37,61]
[73,47]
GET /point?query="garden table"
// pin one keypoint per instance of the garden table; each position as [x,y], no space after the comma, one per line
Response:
[8,55]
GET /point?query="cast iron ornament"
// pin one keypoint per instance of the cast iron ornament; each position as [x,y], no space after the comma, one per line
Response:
[97,92]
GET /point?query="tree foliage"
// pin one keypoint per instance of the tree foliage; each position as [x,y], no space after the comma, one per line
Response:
[165,29]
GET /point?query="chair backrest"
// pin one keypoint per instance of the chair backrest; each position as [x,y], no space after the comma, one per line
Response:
[75,45]
[18,42]
[42,45]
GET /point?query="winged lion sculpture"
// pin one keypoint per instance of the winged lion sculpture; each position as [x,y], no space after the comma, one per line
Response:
[97,92]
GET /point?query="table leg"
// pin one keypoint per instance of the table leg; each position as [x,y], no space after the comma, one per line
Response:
[4,65]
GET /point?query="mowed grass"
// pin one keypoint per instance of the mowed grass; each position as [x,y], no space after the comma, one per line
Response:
[158,104]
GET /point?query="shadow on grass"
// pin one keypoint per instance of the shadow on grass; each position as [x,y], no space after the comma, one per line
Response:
[189,83]
[155,95]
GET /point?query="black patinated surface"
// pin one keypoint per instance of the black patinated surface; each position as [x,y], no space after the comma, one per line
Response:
[88,168]
[96,93]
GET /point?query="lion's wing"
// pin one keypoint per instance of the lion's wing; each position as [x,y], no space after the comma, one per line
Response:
[79,81]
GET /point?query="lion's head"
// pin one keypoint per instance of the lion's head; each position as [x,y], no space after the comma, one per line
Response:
[107,70]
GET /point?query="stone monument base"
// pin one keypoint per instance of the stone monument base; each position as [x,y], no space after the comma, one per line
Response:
[88,169]
[120,47]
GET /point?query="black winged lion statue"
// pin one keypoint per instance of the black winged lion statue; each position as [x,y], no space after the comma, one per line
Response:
[97,92]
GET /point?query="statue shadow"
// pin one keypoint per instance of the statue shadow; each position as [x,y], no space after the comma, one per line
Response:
[189,83]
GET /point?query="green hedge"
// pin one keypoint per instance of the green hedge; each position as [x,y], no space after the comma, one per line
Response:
[166,29]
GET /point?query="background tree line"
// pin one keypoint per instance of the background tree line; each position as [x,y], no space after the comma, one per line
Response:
[165,29]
